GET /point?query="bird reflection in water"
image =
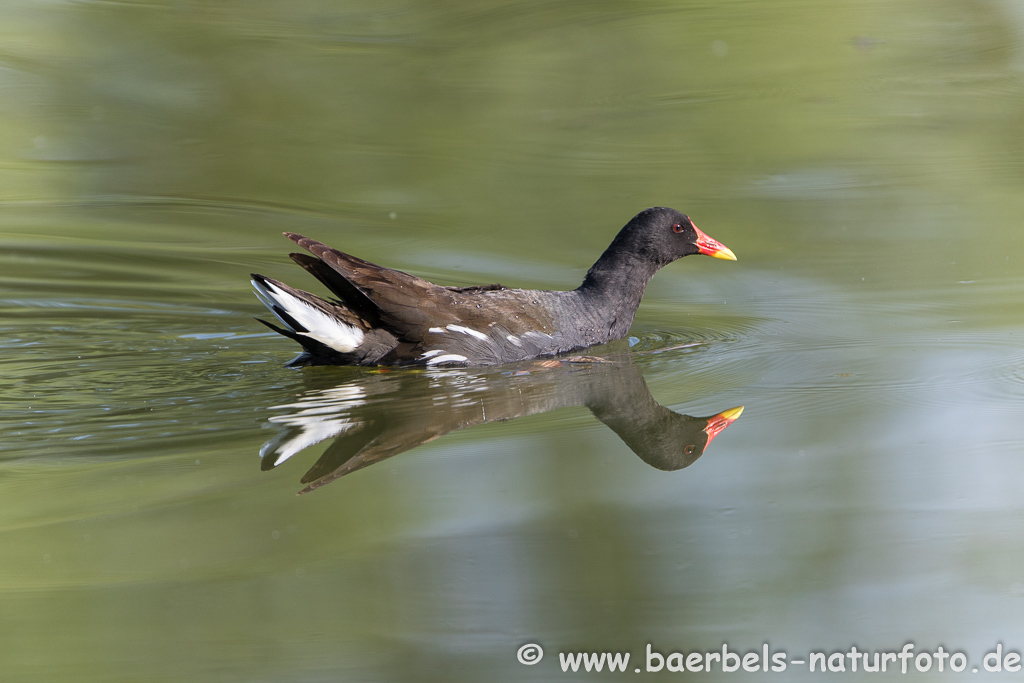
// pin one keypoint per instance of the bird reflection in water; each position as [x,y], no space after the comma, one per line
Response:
[378,415]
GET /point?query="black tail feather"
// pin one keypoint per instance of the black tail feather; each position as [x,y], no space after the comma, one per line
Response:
[309,345]
[349,295]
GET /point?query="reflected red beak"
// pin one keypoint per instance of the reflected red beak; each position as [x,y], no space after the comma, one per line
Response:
[711,247]
[717,423]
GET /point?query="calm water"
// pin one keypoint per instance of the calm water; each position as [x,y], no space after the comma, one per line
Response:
[864,161]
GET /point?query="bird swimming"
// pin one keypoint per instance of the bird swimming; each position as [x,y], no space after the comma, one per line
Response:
[382,316]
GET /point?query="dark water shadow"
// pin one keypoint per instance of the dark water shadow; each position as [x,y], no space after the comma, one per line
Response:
[375,416]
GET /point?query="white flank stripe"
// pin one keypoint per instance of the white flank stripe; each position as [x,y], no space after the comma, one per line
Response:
[446,358]
[430,354]
[436,330]
[515,340]
[324,328]
[466,330]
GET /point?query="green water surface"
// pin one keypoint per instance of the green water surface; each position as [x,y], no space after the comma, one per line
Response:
[864,160]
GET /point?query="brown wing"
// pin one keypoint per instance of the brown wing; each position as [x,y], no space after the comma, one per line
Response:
[401,302]
[488,323]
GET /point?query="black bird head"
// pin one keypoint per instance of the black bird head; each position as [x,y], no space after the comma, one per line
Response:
[662,235]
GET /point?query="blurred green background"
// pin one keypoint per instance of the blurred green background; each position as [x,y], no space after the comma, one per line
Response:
[863,159]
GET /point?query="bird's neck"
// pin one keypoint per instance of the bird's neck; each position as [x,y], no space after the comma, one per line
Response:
[613,288]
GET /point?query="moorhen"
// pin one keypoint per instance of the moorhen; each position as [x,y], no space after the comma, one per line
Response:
[386,317]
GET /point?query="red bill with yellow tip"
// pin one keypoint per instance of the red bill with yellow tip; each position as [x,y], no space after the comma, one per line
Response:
[712,247]
[716,423]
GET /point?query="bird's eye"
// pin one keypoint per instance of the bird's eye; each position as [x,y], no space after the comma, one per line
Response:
[690,448]
[678,227]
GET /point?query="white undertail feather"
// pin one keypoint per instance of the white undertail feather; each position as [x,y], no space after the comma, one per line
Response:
[324,328]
